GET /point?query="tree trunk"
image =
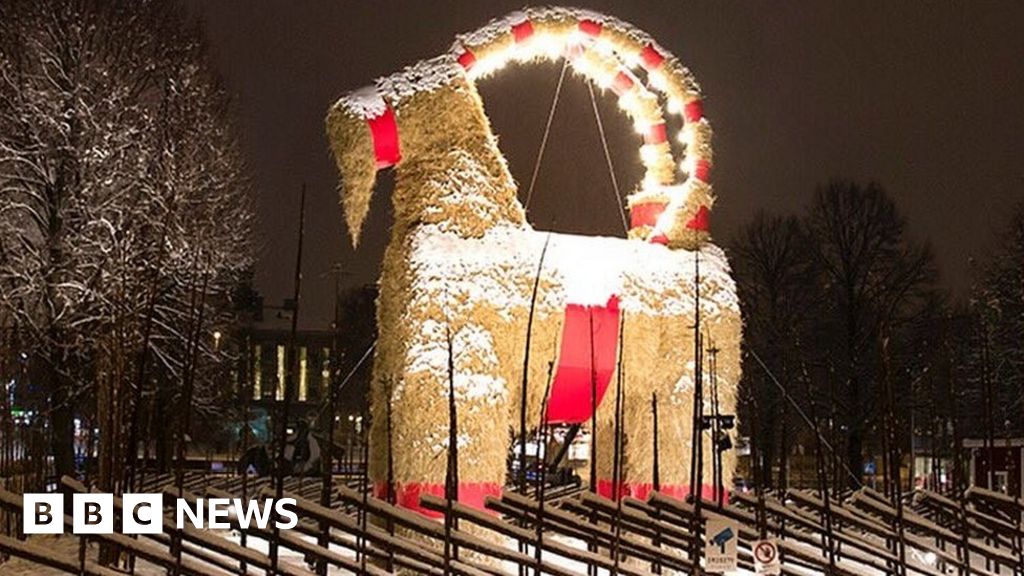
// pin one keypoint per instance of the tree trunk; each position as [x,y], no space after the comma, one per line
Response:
[62,414]
[783,448]
[767,450]
[854,452]
[62,440]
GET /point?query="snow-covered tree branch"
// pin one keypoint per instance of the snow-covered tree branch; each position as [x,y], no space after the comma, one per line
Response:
[121,184]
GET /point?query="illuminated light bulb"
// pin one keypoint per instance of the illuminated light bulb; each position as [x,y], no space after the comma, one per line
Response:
[664,221]
[487,66]
[648,154]
[675,107]
[586,63]
[550,45]
[522,52]
[677,193]
[604,46]
[582,68]
[631,59]
[628,101]
[658,80]
[574,48]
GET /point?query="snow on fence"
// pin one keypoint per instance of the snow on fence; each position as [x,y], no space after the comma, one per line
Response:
[979,533]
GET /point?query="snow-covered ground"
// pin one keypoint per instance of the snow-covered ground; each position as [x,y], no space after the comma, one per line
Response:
[919,559]
[68,546]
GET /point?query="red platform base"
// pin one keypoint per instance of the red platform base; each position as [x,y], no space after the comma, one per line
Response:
[408,495]
[642,490]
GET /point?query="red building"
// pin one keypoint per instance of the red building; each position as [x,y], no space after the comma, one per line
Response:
[998,468]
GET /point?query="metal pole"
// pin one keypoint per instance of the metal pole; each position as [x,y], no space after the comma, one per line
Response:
[591,569]
[285,405]
[451,483]
[617,458]
[697,436]
[521,477]
[542,471]
[327,462]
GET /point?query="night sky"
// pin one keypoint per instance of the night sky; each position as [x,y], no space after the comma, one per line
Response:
[924,97]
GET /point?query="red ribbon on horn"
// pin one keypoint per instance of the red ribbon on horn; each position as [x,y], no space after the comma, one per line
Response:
[591,27]
[656,134]
[651,58]
[645,214]
[693,111]
[522,31]
[701,221]
[622,83]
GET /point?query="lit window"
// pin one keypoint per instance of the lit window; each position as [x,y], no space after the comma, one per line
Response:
[280,372]
[325,371]
[303,389]
[257,372]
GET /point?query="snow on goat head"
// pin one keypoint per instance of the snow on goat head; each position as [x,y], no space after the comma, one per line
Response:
[375,127]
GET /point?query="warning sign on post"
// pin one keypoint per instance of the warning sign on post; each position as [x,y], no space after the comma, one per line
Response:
[720,546]
[766,558]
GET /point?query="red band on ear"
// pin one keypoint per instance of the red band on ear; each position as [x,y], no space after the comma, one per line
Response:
[591,27]
[522,31]
[467,59]
[622,83]
[693,111]
[701,221]
[384,131]
[651,58]
[656,134]
[645,214]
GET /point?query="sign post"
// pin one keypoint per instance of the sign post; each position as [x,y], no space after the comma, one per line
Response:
[720,545]
[766,558]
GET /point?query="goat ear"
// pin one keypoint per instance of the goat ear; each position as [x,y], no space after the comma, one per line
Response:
[352,143]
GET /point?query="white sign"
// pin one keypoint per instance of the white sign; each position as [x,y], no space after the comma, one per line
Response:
[766,558]
[42,514]
[720,545]
[94,513]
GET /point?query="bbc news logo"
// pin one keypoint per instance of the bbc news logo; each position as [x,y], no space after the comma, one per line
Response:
[144,513]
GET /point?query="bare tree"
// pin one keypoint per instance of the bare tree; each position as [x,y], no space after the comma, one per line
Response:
[776,278]
[996,357]
[875,281]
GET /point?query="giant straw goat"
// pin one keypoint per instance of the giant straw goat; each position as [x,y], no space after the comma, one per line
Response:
[465,274]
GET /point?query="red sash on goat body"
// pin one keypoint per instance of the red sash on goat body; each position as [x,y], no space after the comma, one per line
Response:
[586,361]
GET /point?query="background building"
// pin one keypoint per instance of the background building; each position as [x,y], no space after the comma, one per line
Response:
[997,468]
[325,356]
